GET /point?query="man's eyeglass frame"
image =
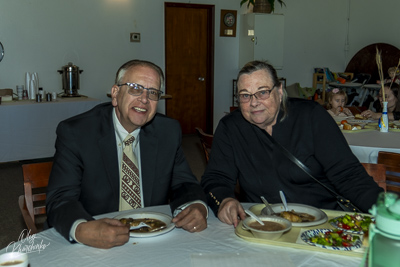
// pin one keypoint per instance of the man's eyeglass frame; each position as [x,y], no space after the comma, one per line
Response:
[150,91]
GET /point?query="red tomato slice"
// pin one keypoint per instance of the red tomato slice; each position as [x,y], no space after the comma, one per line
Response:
[345,226]
[345,244]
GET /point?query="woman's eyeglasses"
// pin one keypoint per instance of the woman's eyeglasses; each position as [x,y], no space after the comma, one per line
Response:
[261,94]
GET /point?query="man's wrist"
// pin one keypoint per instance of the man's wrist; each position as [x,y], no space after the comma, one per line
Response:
[72,232]
[184,206]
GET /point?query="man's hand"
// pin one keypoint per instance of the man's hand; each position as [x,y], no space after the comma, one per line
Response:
[193,218]
[229,211]
[103,233]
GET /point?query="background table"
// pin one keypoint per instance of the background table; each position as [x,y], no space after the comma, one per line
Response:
[28,128]
[366,145]
[218,245]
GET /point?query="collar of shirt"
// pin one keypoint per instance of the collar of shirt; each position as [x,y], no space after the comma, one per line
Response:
[121,133]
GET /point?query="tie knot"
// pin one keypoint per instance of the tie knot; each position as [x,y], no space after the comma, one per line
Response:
[129,139]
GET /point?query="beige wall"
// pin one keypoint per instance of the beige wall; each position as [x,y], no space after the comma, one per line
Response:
[44,35]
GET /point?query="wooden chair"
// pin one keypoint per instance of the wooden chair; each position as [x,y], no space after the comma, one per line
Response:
[32,204]
[378,172]
[392,162]
[6,92]
[356,110]
[206,142]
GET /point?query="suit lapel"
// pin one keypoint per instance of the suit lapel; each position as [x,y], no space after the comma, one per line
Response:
[148,156]
[108,144]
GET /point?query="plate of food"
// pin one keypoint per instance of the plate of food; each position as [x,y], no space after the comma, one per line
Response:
[159,223]
[332,239]
[352,223]
[347,126]
[299,214]
[358,118]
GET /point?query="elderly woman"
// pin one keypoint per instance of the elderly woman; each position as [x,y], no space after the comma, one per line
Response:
[393,105]
[243,153]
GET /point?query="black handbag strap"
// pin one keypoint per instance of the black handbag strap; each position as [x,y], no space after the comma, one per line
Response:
[343,202]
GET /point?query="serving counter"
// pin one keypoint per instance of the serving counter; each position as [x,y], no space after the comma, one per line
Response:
[28,128]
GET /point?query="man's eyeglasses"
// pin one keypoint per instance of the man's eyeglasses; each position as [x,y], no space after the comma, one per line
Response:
[261,94]
[137,89]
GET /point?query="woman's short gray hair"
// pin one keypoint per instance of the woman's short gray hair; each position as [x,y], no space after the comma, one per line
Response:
[256,65]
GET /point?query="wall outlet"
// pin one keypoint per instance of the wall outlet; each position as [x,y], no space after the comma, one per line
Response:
[135,37]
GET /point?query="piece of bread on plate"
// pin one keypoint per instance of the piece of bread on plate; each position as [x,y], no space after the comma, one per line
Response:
[359,117]
[347,126]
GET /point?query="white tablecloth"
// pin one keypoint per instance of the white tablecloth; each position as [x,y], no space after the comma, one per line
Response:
[218,245]
[366,145]
[28,128]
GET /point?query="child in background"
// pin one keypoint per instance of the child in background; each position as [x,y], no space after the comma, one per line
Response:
[336,101]
[394,74]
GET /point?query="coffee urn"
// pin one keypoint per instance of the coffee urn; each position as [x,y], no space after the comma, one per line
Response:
[70,80]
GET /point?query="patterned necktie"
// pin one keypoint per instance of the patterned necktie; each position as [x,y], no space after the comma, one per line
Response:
[130,182]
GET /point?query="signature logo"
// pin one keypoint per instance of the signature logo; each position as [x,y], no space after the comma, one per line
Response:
[27,243]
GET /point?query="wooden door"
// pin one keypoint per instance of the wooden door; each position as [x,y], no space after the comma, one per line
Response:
[189,64]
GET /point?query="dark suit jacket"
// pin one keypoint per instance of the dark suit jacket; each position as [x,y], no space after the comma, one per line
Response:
[85,177]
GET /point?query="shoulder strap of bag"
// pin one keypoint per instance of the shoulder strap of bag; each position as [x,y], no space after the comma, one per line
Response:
[344,203]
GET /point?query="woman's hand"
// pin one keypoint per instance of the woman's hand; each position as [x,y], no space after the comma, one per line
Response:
[369,114]
[229,211]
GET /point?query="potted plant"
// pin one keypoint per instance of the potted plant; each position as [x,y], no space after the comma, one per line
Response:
[262,6]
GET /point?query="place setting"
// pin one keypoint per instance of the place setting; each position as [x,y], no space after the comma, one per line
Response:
[146,224]
[306,227]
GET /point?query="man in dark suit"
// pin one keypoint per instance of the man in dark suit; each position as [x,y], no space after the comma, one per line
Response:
[85,179]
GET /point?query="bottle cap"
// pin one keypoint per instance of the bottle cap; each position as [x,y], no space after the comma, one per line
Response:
[387,217]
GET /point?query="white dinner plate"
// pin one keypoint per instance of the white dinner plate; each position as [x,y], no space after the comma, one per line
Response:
[152,215]
[320,216]
[305,236]
[355,121]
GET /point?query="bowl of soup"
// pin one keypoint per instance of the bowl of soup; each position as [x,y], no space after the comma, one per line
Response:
[274,227]
[15,259]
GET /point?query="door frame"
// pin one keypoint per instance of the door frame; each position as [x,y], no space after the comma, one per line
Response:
[210,60]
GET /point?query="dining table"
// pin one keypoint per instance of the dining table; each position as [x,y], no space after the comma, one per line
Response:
[366,144]
[217,245]
[28,128]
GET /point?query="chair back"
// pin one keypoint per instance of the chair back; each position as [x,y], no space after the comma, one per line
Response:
[206,142]
[32,203]
[6,92]
[378,172]
[356,110]
[392,162]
